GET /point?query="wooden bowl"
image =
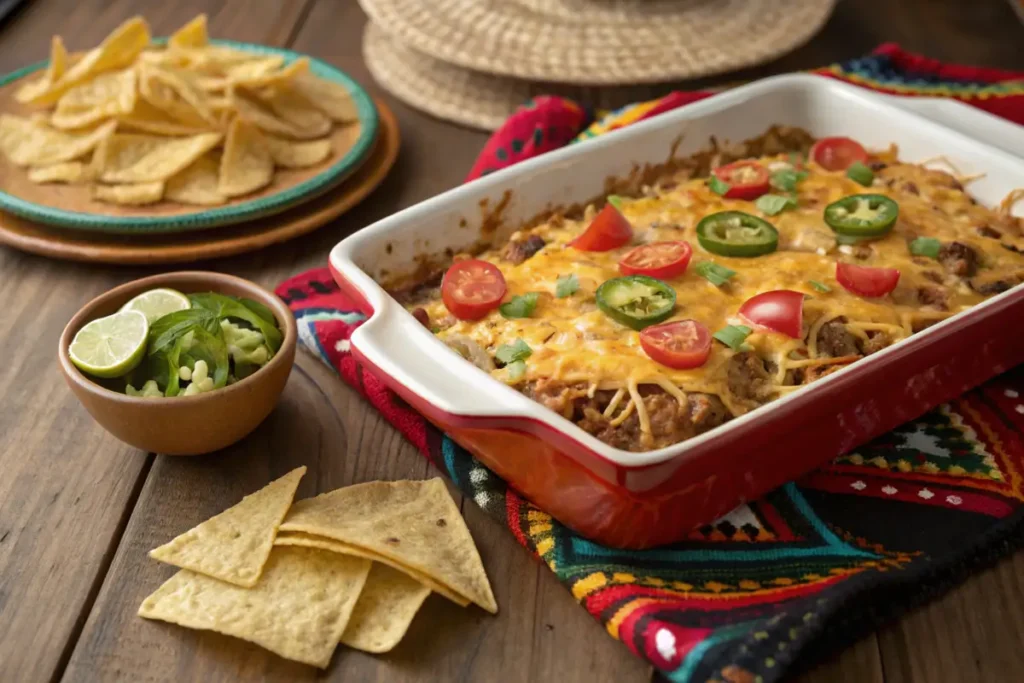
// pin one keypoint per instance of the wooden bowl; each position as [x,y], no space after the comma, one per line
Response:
[183,425]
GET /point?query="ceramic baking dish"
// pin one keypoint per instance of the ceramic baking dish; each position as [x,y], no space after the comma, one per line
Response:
[643,499]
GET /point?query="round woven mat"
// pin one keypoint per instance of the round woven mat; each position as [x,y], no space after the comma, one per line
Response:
[601,42]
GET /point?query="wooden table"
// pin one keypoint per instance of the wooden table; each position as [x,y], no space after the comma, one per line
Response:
[79,510]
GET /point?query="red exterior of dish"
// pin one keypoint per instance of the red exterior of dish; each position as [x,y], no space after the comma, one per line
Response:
[640,507]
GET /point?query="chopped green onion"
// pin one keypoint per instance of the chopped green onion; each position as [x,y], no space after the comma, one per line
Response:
[787,180]
[566,285]
[616,201]
[718,186]
[519,306]
[819,286]
[860,173]
[510,353]
[925,246]
[774,204]
[714,273]
[516,369]
[733,336]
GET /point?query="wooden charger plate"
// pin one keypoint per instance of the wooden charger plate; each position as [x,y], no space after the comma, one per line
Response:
[75,245]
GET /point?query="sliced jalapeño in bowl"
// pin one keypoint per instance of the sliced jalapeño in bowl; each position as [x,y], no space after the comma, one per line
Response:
[735,233]
[636,301]
[862,215]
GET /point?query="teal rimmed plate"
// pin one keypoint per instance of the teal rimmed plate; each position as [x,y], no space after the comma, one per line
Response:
[71,206]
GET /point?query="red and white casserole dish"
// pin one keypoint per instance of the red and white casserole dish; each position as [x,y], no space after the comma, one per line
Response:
[639,500]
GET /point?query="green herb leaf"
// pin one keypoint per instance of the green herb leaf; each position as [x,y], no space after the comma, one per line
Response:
[926,246]
[714,273]
[212,349]
[257,308]
[787,179]
[165,331]
[510,353]
[227,307]
[774,204]
[733,336]
[860,173]
[819,287]
[519,306]
[516,369]
[566,285]
[718,186]
[616,201]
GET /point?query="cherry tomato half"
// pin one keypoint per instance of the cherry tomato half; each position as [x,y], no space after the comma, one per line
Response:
[836,154]
[865,281]
[663,260]
[472,288]
[680,344]
[781,310]
[607,231]
[746,179]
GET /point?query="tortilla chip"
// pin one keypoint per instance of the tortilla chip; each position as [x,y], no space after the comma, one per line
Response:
[108,95]
[184,86]
[305,540]
[296,110]
[413,523]
[146,118]
[136,194]
[197,184]
[248,108]
[54,70]
[246,165]
[275,78]
[386,607]
[30,143]
[66,172]
[133,158]
[192,34]
[234,545]
[164,98]
[298,610]
[289,154]
[329,97]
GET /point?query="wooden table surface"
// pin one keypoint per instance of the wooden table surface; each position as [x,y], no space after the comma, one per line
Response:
[79,510]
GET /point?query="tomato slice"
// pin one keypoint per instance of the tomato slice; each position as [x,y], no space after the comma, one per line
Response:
[680,344]
[609,230]
[663,260]
[866,281]
[746,179]
[781,310]
[472,288]
[836,154]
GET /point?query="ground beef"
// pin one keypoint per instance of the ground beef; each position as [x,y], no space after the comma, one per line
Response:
[816,372]
[747,378]
[995,283]
[520,250]
[936,297]
[959,259]
[933,276]
[986,231]
[876,341]
[422,316]
[835,341]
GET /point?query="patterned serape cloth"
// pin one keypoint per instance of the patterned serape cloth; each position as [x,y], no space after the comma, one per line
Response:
[811,566]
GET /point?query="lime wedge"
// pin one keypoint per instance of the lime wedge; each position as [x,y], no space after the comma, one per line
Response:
[111,346]
[156,303]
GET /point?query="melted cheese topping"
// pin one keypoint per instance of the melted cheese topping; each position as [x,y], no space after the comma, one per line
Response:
[573,341]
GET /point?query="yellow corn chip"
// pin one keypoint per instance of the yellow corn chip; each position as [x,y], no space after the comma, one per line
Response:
[66,172]
[164,98]
[413,523]
[146,118]
[234,545]
[289,154]
[134,158]
[108,95]
[246,165]
[305,540]
[137,194]
[384,611]
[192,34]
[30,143]
[330,97]
[296,110]
[255,113]
[197,184]
[54,70]
[281,76]
[184,86]
[298,610]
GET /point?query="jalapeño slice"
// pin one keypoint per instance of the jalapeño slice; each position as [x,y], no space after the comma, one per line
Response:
[862,215]
[734,233]
[636,301]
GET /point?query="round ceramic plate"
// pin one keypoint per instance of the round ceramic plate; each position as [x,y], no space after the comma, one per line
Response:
[72,206]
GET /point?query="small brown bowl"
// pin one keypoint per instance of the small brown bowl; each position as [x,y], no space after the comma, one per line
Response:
[183,425]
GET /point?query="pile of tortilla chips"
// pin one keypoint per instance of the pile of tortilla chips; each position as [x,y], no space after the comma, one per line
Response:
[189,122]
[349,566]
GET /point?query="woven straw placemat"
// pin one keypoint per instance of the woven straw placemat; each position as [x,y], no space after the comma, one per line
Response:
[601,43]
